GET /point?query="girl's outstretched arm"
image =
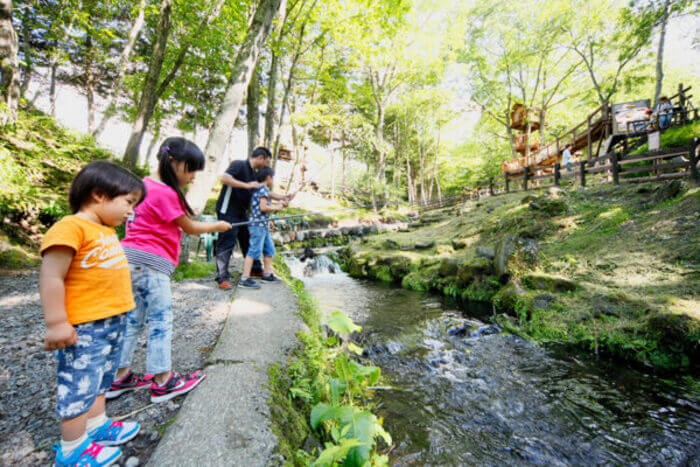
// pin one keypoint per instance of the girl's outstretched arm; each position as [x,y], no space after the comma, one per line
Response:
[192,227]
[54,267]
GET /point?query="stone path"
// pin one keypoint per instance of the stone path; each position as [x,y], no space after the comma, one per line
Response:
[225,421]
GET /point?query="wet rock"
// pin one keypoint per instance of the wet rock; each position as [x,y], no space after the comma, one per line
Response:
[486,331]
[542,301]
[549,283]
[484,252]
[132,462]
[458,331]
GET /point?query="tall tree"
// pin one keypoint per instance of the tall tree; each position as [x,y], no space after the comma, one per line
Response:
[253,112]
[9,65]
[148,95]
[243,69]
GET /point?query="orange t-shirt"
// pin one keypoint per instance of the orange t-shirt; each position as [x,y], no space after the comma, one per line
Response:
[98,283]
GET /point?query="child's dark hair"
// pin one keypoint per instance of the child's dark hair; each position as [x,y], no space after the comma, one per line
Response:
[181,150]
[265,172]
[103,177]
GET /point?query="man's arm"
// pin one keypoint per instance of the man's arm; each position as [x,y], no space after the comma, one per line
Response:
[229,180]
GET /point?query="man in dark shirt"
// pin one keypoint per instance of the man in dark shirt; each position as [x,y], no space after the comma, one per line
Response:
[239,180]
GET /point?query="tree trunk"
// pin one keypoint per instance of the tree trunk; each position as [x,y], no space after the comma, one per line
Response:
[511,140]
[436,176]
[9,65]
[253,112]
[134,33]
[421,160]
[409,180]
[379,135]
[54,60]
[27,27]
[222,127]
[148,92]
[344,158]
[297,158]
[153,143]
[271,98]
[90,83]
[332,173]
[285,97]
[660,54]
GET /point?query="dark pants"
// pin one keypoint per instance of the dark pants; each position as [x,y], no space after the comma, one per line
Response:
[227,242]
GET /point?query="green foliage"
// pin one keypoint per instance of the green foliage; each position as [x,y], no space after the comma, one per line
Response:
[193,270]
[331,388]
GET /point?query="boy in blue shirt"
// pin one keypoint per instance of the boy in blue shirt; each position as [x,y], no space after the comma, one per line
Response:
[260,240]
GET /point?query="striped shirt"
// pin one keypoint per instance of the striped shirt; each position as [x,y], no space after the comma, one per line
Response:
[150,260]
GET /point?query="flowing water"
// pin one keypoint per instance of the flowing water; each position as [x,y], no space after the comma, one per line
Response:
[463,393]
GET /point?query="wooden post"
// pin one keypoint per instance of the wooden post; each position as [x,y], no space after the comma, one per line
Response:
[526,178]
[491,186]
[557,173]
[507,180]
[693,157]
[582,173]
[615,168]
[590,141]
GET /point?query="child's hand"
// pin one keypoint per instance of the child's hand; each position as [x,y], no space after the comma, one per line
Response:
[59,336]
[222,226]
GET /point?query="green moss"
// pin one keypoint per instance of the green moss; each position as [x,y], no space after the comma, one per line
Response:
[17,258]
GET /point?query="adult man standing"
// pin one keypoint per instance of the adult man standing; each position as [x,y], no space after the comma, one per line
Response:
[239,182]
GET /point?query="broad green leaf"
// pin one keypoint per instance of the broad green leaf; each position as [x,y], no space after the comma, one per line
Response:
[340,323]
[335,452]
[355,348]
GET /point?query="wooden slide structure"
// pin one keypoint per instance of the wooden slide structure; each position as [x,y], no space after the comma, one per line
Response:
[598,133]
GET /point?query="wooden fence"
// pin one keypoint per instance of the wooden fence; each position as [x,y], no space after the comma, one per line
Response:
[666,164]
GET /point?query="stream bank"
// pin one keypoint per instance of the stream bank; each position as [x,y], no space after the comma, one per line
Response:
[611,270]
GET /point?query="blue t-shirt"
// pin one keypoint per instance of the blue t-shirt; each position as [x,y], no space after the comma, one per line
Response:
[255,213]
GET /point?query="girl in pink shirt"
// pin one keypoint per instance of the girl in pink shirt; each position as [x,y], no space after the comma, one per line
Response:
[152,246]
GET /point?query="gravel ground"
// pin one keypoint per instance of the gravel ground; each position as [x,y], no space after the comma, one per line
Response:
[28,424]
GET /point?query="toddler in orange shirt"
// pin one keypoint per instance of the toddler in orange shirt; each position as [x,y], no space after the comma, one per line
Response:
[85,290]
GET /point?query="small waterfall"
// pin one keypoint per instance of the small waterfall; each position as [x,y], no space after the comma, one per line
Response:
[311,267]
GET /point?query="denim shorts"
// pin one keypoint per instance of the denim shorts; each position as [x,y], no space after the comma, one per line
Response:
[86,369]
[153,305]
[260,242]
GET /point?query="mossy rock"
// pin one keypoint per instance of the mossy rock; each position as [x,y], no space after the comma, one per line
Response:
[512,299]
[511,251]
[449,267]
[677,330]
[549,283]
[398,265]
[390,244]
[424,245]
[415,280]
[548,206]
[472,269]
[381,272]
[428,262]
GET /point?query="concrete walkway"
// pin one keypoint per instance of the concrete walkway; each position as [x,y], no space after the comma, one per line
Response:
[225,421]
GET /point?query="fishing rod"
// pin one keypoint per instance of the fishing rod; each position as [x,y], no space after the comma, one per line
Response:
[326,211]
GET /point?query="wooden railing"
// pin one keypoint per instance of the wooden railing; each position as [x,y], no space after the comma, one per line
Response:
[667,164]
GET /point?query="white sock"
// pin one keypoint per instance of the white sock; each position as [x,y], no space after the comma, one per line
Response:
[96,422]
[67,447]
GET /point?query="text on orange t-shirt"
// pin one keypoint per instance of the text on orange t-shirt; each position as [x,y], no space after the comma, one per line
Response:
[98,283]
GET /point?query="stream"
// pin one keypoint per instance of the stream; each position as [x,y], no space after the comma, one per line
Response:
[464,393]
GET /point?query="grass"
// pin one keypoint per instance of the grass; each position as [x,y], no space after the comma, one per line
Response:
[194,270]
[677,136]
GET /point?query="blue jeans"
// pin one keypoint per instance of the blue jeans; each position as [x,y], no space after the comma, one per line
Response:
[86,369]
[153,304]
[260,242]
[665,120]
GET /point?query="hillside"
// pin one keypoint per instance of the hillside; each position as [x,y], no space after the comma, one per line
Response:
[614,270]
[38,159]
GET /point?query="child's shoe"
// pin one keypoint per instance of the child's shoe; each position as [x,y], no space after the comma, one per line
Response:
[130,382]
[177,385]
[249,283]
[271,278]
[89,454]
[113,433]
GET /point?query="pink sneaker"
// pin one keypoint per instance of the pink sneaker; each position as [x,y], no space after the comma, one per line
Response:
[130,382]
[177,385]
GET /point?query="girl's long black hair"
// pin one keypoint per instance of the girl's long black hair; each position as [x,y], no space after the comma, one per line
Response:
[181,150]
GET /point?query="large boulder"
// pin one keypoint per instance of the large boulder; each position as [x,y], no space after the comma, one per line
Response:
[668,191]
[508,300]
[449,267]
[459,243]
[424,245]
[472,269]
[483,252]
[398,265]
[510,250]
